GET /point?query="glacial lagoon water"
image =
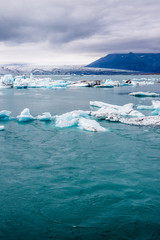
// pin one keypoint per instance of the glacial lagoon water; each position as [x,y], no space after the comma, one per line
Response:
[73,184]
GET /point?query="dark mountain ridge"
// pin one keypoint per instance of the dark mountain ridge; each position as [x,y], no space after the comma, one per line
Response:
[141,62]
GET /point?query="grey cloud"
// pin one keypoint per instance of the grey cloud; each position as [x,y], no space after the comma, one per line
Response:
[82,25]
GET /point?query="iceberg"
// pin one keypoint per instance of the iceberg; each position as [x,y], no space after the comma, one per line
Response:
[80,84]
[144,94]
[5,115]
[108,83]
[145,121]
[109,111]
[25,116]
[20,82]
[1,128]
[7,80]
[46,116]
[70,119]
[90,125]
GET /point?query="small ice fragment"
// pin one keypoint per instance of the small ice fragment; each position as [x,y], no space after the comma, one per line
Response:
[45,117]
[1,128]
[4,114]
[90,125]
[7,80]
[25,116]
[144,94]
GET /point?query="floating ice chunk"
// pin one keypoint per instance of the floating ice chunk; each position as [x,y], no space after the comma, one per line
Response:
[145,121]
[4,115]
[109,111]
[20,82]
[108,83]
[144,94]
[7,80]
[80,84]
[70,119]
[25,116]
[46,83]
[1,128]
[45,117]
[58,84]
[90,125]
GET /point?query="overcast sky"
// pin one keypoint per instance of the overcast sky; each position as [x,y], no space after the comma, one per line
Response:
[76,31]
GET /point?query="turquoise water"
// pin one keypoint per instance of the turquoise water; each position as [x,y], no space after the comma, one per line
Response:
[73,184]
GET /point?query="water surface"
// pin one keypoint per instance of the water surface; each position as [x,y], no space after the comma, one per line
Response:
[73,184]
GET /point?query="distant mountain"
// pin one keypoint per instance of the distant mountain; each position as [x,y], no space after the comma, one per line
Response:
[141,62]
